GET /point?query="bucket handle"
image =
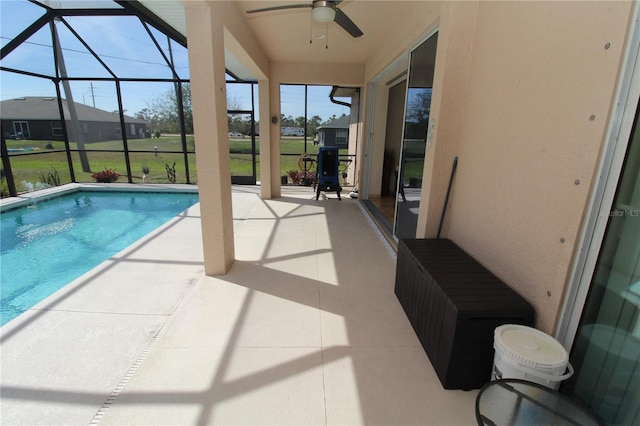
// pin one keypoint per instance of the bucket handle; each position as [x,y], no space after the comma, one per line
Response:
[540,374]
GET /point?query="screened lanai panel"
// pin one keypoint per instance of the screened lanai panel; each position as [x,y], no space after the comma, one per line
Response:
[14,86]
[156,104]
[35,55]
[154,108]
[175,52]
[80,4]
[89,127]
[78,60]
[239,96]
[148,98]
[99,161]
[320,110]
[123,44]
[15,17]
[97,94]
[292,105]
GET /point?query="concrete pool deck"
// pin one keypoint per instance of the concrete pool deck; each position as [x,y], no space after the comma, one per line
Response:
[304,329]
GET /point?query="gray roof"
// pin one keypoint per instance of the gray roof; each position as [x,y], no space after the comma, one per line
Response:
[46,108]
[338,123]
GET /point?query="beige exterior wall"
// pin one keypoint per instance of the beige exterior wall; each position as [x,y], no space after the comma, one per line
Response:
[240,41]
[327,74]
[419,19]
[522,95]
[515,87]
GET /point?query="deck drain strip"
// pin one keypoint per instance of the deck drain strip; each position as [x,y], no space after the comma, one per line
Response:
[138,362]
[375,228]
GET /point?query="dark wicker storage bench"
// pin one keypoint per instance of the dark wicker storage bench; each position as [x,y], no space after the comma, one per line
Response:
[454,304]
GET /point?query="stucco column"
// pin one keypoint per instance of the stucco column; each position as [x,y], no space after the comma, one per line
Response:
[266,188]
[274,130]
[209,100]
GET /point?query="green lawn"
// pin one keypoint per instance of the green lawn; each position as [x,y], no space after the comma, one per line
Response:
[38,163]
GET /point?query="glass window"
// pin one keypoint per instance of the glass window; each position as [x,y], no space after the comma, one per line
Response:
[341,136]
[56,129]
[21,130]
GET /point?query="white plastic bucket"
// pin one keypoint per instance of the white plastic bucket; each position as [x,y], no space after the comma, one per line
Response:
[526,353]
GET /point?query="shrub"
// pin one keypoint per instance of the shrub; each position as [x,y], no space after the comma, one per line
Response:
[52,178]
[295,175]
[4,187]
[171,172]
[106,176]
[156,134]
[299,177]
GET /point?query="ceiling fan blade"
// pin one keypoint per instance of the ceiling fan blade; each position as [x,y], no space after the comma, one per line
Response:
[343,20]
[286,6]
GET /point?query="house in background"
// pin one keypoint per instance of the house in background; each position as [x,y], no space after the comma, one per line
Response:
[39,118]
[335,133]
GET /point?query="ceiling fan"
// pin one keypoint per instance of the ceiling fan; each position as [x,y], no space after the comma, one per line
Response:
[321,11]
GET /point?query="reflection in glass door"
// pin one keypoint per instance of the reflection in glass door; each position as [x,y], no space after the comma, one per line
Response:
[414,140]
[606,353]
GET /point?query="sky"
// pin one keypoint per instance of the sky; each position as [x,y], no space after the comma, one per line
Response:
[126,48]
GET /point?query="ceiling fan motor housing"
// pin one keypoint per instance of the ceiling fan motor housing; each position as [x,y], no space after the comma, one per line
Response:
[323,11]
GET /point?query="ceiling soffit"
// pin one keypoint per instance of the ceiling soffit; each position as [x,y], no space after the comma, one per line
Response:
[292,36]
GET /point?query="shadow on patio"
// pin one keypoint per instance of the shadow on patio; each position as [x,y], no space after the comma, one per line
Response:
[305,329]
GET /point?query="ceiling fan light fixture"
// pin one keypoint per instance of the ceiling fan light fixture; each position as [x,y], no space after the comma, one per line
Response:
[323,11]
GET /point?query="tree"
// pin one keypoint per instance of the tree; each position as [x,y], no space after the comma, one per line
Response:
[163,114]
[239,123]
[313,124]
[299,122]
[330,119]
[146,115]
[289,121]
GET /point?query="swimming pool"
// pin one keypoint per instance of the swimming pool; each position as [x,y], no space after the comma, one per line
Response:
[49,244]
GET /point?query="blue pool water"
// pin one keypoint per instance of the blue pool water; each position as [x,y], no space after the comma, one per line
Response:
[46,246]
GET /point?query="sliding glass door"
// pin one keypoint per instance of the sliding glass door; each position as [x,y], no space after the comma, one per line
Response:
[414,138]
[606,353]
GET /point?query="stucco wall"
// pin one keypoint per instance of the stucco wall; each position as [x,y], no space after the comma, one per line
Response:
[328,74]
[539,90]
[242,43]
[419,18]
